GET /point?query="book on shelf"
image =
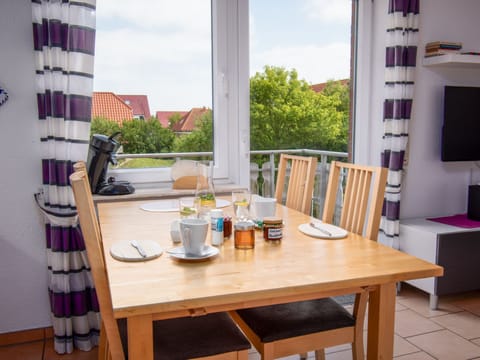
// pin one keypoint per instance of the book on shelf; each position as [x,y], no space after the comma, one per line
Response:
[437,48]
[443,45]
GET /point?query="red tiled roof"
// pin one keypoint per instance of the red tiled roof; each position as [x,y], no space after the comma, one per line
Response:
[188,122]
[139,105]
[319,87]
[164,116]
[109,106]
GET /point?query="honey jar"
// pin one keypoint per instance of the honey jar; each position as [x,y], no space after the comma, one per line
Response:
[272,229]
[244,235]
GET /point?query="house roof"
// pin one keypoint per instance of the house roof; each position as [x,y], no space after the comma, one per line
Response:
[164,116]
[138,103]
[109,106]
[319,87]
[188,122]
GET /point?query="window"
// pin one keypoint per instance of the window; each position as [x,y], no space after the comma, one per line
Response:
[227,68]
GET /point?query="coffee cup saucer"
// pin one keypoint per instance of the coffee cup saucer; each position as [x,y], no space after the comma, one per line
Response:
[179,253]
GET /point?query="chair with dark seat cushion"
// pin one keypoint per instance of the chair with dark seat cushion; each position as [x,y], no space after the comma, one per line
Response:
[213,336]
[302,326]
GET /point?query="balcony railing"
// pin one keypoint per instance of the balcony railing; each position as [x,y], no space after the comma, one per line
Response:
[263,168]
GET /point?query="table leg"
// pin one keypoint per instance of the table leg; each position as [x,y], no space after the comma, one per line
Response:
[140,337]
[381,322]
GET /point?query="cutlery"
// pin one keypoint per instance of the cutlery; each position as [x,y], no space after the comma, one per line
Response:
[139,248]
[315,226]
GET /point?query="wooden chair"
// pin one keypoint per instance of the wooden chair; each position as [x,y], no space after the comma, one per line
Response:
[299,327]
[213,336]
[300,183]
[364,186]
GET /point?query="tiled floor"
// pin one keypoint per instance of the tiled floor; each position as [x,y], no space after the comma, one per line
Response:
[450,333]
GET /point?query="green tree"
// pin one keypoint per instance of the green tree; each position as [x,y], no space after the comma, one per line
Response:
[173,119]
[200,139]
[286,113]
[146,136]
[104,126]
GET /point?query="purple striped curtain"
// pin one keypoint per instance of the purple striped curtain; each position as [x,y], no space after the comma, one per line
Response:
[400,62]
[64,43]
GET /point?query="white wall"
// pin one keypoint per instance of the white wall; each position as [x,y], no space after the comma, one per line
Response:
[431,187]
[23,270]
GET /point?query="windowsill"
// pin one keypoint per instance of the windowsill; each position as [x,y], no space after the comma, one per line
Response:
[162,193]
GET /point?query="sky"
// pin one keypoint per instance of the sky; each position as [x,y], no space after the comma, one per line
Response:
[162,48]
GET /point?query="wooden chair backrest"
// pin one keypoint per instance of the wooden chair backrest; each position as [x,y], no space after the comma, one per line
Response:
[364,185]
[93,243]
[300,183]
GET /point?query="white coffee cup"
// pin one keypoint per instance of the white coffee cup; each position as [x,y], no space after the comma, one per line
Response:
[193,233]
[264,207]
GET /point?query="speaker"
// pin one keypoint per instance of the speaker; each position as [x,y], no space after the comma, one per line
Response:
[473,212]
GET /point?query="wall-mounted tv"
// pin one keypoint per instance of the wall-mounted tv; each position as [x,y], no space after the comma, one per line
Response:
[461,124]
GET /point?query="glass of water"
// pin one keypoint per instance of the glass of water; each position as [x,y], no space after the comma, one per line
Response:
[241,204]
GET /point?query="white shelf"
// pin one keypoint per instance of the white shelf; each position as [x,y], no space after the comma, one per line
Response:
[453,60]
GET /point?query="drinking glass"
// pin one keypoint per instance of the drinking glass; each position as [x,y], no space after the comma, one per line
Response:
[241,204]
[187,208]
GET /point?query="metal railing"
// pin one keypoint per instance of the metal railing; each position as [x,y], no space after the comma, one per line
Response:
[263,167]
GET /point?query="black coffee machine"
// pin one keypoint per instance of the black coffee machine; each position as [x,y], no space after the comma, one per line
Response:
[101,152]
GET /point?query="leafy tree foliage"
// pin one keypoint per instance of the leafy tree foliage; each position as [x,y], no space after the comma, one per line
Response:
[137,136]
[200,139]
[104,126]
[146,136]
[286,113]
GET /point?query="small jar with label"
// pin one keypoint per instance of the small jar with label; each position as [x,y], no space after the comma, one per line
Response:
[244,235]
[272,229]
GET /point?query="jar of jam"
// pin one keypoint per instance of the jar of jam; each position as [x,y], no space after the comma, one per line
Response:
[244,235]
[272,229]
[227,227]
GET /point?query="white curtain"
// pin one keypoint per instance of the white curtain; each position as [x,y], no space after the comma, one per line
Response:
[400,62]
[64,43]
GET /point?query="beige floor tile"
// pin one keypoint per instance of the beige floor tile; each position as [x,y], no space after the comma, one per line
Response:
[415,356]
[409,323]
[471,302]
[463,323]
[402,346]
[420,303]
[445,345]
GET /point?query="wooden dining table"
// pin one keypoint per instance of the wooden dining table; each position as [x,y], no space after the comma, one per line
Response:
[299,267]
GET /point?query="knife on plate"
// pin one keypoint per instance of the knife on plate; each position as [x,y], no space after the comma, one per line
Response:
[139,248]
[315,226]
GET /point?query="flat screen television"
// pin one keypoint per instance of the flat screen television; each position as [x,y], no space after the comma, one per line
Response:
[461,124]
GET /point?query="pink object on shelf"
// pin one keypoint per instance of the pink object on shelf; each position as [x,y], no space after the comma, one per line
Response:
[459,220]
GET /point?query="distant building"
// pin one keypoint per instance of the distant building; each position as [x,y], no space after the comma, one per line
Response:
[119,108]
[164,116]
[139,105]
[188,122]
[109,106]
[319,87]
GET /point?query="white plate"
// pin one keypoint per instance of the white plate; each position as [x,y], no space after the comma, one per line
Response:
[172,205]
[124,251]
[179,253]
[335,231]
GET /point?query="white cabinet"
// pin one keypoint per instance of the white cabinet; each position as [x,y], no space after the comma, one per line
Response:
[456,249]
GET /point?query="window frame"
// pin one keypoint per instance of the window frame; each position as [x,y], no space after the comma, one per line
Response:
[231,101]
